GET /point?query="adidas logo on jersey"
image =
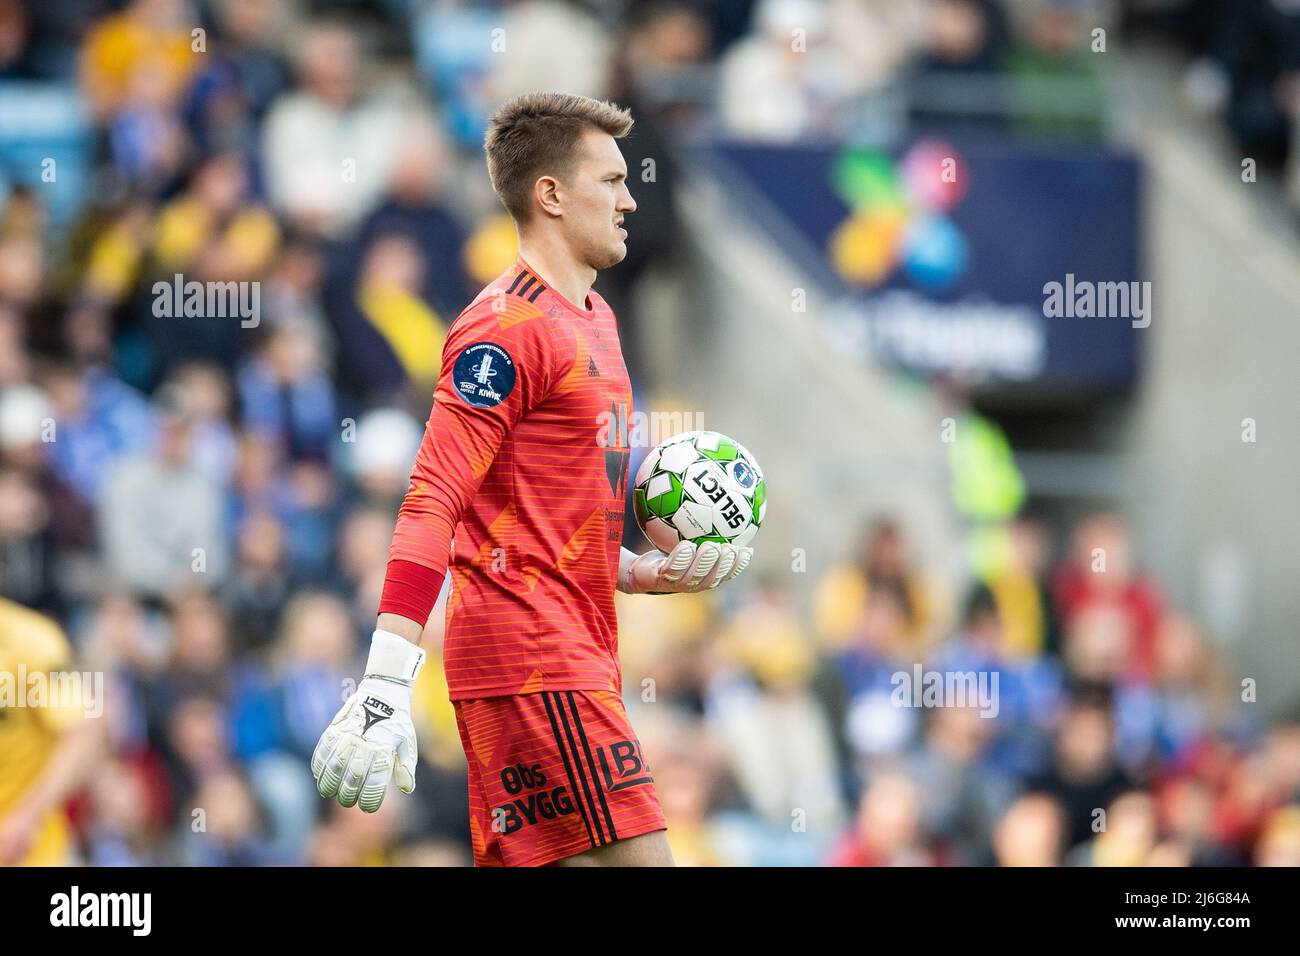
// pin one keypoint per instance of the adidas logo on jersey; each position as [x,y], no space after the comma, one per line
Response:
[592,371]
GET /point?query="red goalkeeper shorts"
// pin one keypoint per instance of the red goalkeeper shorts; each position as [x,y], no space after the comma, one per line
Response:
[553,774]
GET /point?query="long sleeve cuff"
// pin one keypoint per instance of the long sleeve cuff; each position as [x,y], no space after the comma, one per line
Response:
[410,590]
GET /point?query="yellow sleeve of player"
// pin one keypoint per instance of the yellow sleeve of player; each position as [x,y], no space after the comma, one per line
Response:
[38,652]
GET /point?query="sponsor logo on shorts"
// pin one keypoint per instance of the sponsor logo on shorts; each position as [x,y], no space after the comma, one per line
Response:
[623,766]
[536,800]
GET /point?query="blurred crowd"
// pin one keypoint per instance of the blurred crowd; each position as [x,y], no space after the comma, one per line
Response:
[204,502]
[1117,735]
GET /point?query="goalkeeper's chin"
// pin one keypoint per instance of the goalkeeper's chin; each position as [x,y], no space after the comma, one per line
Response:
[610,255]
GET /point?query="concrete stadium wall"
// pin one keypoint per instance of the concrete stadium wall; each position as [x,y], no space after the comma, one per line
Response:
[1219,517]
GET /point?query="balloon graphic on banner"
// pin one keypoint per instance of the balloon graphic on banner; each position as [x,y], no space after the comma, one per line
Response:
[897,216]
[865,247]
[934,178]
[934,252]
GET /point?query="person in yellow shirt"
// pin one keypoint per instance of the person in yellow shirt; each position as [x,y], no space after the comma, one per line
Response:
[215,230]
[48,750]
[843,596]
[150,38]
[388,296]
[1016,575]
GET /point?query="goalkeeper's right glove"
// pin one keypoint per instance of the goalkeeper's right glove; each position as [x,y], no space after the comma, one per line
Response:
[372,739]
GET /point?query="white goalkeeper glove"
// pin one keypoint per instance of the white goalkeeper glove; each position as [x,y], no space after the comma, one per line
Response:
[372,739]
[685,568]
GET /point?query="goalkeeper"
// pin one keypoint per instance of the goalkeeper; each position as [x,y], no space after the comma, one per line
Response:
[514,496]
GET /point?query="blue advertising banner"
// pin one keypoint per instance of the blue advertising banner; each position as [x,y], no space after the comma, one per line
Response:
[1006,269]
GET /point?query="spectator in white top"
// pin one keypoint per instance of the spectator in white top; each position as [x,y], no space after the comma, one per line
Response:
[329,147]
[785,81]
[162,520]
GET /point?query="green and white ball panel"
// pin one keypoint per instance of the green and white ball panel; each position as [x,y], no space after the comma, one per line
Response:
[649,466]
[661,534]
[663,494]
[677,458]
[718,447]
[760,503]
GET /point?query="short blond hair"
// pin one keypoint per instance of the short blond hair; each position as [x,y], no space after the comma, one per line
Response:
[536,134]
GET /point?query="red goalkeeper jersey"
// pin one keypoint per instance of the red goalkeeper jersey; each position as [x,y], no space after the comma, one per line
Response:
[518,491]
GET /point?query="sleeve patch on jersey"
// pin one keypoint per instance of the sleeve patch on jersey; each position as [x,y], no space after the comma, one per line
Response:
[484,374]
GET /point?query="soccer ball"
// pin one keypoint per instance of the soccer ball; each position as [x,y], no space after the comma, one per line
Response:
[699,486]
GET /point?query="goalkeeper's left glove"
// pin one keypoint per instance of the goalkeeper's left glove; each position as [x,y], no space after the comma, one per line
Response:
[372,739]
[685,568]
